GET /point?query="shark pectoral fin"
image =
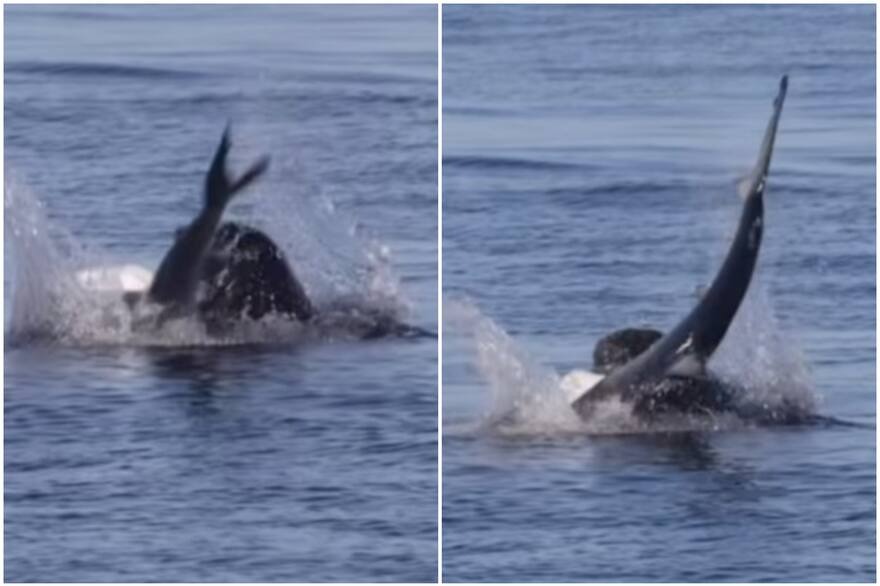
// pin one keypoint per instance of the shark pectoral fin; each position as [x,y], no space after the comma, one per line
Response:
[756,180]
[689,366]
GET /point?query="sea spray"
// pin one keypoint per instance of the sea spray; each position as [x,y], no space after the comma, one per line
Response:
[49,304]
[44,295]
[526,398]
[758,356]
[340,262]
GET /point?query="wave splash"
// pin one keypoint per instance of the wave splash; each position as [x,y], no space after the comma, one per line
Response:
[526,398]
[347,275]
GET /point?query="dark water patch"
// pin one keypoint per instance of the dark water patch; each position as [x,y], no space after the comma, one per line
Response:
[353,78]
[55,14]
[474,110]
[610,193]
[500,163]
[91,70]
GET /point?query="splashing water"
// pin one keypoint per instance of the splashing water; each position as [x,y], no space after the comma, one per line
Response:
[50,304]
[341,264]
[46,297]
[758,356]
[526,398]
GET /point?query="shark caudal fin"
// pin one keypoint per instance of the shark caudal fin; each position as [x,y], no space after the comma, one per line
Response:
[219,188]
[177,277]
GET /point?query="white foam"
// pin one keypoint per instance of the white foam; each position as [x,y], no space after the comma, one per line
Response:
[578,383]
[124,278]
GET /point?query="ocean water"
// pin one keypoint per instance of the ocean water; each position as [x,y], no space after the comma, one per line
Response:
[590,168]
[275,454]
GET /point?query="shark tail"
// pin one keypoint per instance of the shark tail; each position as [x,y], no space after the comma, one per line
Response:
[219,188]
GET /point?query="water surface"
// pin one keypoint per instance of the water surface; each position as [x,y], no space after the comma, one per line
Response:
[179,457]
[591,156]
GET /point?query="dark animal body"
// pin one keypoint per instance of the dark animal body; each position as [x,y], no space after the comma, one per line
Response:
[658,373]
[225,273]
[176,280]
[672,394]
[247,276]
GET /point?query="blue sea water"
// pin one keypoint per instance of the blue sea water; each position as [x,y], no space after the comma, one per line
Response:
[271,456]
[590,168]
